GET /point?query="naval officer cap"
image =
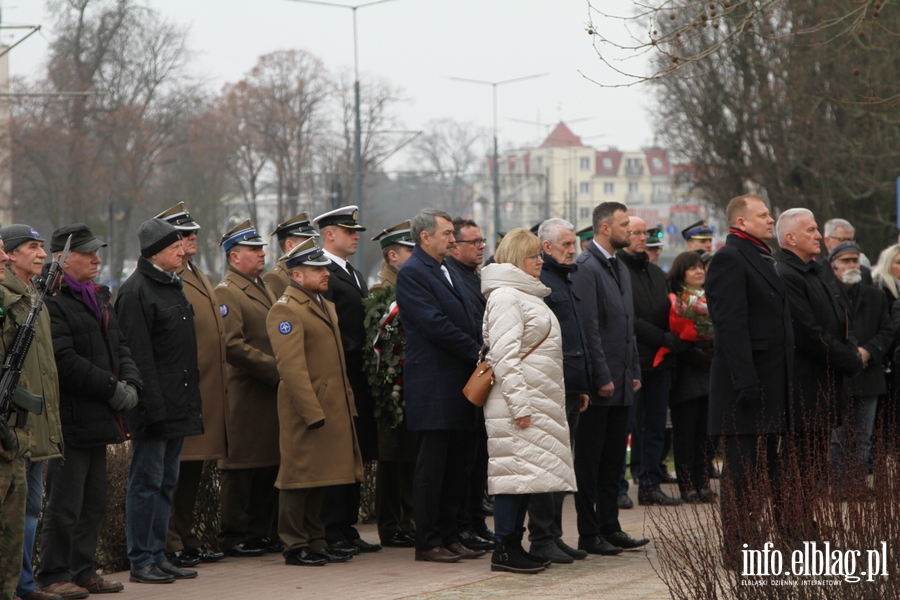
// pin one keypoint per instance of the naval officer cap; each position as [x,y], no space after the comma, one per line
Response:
[306,254]
[297,225]
[699,231]
[179,217]
[242,235]
[346,217]
[398,234]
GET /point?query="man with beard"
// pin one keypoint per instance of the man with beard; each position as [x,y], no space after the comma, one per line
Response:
[750,377]
[289,234]
[851,441]
[607,309]
[558,242]
[315,408]
[826,355]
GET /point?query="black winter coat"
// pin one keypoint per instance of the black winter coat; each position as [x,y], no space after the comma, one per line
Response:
[565,305]
[158,322]
[825,347]
[875,332]
[650,291]
[754,340]
[91,358]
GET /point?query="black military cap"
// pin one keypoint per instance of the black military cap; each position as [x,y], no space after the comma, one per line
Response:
[699,230]
[179,217]
[298,225]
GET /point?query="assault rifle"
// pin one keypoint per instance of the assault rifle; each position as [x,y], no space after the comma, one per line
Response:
[12,397]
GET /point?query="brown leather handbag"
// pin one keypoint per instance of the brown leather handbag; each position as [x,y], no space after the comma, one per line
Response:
[482,380]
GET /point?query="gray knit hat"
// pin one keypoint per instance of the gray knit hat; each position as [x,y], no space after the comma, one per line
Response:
[156,235]
[14,236]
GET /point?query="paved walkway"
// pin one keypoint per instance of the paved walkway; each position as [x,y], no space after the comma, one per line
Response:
[392,573]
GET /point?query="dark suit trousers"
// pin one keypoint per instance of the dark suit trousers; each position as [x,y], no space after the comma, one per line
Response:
[181,522]
[248,504]
[545,510]
[747,459]
[76,502]
[654,398]
[600,445]
[443,459]
[476,480]
[341,512]
[689,441]
[394,497]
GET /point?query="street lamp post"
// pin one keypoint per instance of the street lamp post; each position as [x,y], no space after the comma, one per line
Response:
[357,134]
[496,173]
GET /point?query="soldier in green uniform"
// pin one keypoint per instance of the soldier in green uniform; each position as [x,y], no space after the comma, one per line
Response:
[396,444]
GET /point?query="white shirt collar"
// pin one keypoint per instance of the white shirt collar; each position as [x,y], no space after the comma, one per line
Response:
[342,263]
[602,249]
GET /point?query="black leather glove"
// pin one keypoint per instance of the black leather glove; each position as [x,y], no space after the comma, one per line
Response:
[749,396]
[317,424]
[674,343]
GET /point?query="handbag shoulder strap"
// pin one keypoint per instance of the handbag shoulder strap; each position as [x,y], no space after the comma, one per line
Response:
[538,344]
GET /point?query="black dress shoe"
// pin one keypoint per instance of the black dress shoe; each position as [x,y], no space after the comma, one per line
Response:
[593,544]
[657,498]
[623,540]
[691,497]
[345,547]
[244,550]
[398,540]
[669,478]
[150,574]
[473,541]
[183,558]
[206,555]
[573,552]
[335,556]
[305,557]
[365,546]
[175,572]
[707,495]
[273,545]
[624,502]
[481,529]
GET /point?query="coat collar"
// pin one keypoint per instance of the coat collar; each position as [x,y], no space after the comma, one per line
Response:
[254,289]
[149,270]
[753,256]
[304,299]
[436,271]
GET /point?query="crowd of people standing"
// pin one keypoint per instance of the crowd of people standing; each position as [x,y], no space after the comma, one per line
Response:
[292,379]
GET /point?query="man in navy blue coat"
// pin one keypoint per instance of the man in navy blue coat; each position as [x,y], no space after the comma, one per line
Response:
[442,345]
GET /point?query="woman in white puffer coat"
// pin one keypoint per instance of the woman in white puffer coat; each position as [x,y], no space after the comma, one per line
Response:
[525,416]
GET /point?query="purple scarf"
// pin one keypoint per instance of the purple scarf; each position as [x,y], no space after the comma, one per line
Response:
[87,293]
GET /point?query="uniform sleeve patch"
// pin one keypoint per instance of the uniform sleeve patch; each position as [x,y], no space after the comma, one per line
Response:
[223,310]
[285,327]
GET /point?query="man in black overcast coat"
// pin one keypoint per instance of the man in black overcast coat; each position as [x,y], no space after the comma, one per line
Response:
[750,378]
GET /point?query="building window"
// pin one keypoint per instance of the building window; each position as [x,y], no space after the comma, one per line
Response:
[584,212]
[609,188]
[585,164]
[584,188]
[657,163]
[632,163]
[607,164]
[539,163]
[632,187]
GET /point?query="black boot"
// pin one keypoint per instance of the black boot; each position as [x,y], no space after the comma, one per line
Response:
[510,556]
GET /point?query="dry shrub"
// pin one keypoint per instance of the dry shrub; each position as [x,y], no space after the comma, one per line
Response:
[690,538]
[367,494]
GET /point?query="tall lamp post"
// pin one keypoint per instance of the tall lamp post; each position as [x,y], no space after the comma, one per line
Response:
[494,85]
[357,135]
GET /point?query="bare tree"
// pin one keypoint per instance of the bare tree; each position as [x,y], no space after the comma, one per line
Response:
[449,150]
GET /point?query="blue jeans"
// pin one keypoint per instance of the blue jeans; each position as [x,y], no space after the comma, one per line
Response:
[654,397]
[148,501]
[34,474]
[509,514]
[851,442]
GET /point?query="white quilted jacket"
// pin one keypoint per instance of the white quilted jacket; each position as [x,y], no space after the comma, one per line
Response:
[539,458]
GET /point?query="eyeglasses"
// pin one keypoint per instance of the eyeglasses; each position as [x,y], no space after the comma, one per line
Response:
[187,234]
[536,257]
[638,233]
[840,239]
[475,242]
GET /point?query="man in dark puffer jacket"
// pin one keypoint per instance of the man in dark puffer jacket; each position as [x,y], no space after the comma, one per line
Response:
[98,383]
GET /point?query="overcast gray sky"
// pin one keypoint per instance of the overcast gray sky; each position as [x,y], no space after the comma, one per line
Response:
[417,45]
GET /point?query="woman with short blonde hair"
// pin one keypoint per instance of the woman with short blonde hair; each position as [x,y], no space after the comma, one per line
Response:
[525,413]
